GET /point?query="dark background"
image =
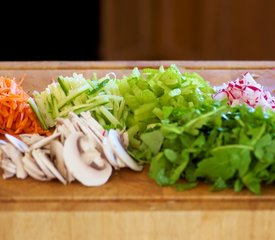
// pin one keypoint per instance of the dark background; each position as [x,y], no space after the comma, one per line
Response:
[138,30]
[50,32]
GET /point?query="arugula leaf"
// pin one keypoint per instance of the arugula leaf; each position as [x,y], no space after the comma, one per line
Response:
[153,140]
[194,125]
[252,183]
[219,184]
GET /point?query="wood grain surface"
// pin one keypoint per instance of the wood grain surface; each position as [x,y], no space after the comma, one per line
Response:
[131,205]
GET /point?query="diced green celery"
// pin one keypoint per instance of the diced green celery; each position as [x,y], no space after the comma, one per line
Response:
[131,101]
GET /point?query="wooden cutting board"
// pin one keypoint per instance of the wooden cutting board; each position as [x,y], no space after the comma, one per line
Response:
[131,205]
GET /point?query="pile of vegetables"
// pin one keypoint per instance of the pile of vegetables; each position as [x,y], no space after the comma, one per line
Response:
[16,115]
[186,130]
[245,90]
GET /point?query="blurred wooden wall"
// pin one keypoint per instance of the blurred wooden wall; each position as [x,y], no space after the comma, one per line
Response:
[188,29]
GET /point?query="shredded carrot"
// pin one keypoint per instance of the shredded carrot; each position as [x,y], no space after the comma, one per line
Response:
[16,115]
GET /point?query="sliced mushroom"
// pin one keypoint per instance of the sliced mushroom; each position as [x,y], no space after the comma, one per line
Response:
[109,153]
[33,169]
[84,173]
[38,156]
[47,162]
[90,153]
[124,139]
[120,151]
[6,174]
[21,146]
[44,141]
[16,157]
[85,144]
[30,139]
[57,150]
[120,163]
[44,160]
[94,159]
[63,131]
[84,128]
[67,123]
[93,124]
[8,166]
[2,142]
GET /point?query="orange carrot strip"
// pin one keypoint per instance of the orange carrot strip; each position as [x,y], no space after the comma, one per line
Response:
[10,119]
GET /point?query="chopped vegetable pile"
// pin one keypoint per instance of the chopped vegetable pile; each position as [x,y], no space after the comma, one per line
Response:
[189,135]
[245,90]
[99,96]
[16,115]
[186,130]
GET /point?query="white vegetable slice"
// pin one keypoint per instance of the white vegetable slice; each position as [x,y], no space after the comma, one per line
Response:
[21,146]
[31,166]
[84,173]
[16,157]
[108,152]
[2,142]
[83,126]
[121,153]
[46,161]
[57,150]
[93,124]
[44,141]
[7,174]
[30,139]
[8,166]
[38,155]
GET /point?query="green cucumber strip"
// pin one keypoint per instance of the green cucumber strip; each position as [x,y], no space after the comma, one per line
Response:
[109,116]
[87,106]
[73,95]
[64,85]
[37,113]
[98,87]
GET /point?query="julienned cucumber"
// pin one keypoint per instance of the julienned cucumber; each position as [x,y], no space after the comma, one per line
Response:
[77,94]
[37,113]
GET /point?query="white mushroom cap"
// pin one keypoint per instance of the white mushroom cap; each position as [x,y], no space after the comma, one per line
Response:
[83,172]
